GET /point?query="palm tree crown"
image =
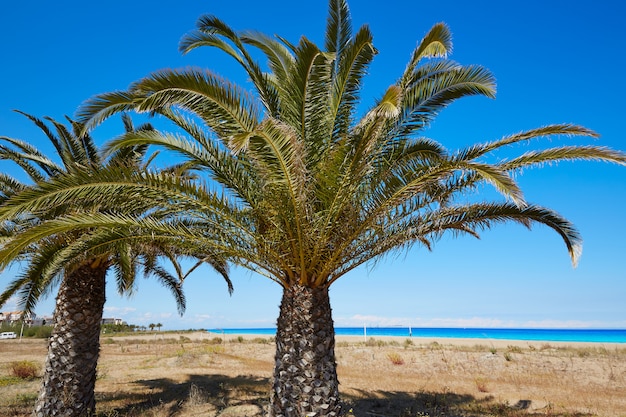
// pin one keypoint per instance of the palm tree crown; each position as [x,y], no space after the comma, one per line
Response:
[55,241]
[314,191]
[30,235]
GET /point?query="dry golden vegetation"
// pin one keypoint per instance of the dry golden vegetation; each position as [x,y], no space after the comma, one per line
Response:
[199,375]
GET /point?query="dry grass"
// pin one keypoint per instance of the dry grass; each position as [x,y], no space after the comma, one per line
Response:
[167,375]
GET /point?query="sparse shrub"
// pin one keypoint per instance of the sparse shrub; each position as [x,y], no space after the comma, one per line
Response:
[240,339]
[26,399]
[24,369]
[493,350]
[214,341]
[481,384]
[435,346]
[214,349]
[514,349]
[374,342]
[101,372]
[508,356]
[184,339]
[5,381]
[197,396]
[186,358]
[407,343]
[395,358]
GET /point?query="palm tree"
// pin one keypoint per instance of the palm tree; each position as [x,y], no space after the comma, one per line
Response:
[158,326]
[308,191]
[78,259]
[151,326]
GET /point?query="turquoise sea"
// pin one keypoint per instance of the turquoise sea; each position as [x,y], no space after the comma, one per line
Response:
[547,335]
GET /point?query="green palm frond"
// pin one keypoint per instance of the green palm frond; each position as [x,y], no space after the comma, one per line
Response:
[26,153]
[279,56]
[432,91]
[338,27]
[224,107]
[210,28]
[304,93]
[124,267]
[38,277]
[171,283]
[500,179]
[479,150]
[566,153]
[197,39]
[352,63]
[9,186]
[436,44]
[99,108]
[35,167]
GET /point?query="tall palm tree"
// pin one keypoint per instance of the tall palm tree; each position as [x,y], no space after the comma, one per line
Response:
[308,189]
[78,259]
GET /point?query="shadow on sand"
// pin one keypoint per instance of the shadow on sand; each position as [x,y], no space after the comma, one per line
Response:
[217,393]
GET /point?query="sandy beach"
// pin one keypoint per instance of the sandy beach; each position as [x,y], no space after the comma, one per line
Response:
[203,374]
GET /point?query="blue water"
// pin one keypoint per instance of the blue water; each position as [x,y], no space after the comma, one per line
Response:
[547,335]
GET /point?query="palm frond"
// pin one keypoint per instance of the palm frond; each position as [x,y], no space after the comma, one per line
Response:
[479,150]
[212,28]
[436,44]
[566,153]
[338,26]
[97,109]
[432,92]
[222,106]
[280,58]
[352,64]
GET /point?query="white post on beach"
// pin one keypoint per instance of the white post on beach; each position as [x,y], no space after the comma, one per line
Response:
[365,332]
[410,332]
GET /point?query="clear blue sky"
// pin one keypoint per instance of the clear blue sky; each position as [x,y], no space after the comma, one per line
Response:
[557,61]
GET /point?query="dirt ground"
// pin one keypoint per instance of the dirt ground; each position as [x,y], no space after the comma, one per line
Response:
[199,374]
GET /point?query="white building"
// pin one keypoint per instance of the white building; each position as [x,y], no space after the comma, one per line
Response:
[112,321]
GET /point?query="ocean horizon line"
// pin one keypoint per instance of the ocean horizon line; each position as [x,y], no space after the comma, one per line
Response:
[595,335]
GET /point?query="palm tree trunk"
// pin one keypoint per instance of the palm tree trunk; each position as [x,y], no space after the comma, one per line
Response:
[305,372]
[70,372]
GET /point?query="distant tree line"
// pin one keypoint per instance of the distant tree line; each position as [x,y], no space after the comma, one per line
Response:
[38,332]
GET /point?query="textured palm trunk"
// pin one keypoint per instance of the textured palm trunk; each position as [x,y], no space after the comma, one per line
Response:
[305,372]
[70,372]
